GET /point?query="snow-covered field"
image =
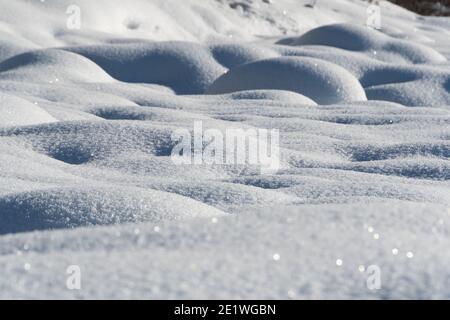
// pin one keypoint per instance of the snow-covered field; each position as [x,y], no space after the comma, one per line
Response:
[91,93]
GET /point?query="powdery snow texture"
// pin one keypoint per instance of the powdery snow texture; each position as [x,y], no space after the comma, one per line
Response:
[85,150]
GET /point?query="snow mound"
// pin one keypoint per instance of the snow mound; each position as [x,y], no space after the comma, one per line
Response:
[418,93]
[51,66]
[231,55]
[361,183]
[358,38]
[321,81]
[187,68]
[19,112]
[409,86]
[276,95]
[77,207]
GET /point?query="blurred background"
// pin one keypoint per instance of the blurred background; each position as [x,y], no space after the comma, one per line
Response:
[426,7]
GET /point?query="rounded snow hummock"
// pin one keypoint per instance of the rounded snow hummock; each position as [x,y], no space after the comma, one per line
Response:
[321,81]
[73,207]
[360,38]
[186,68]
[276,95]
[231,55]
[52,66]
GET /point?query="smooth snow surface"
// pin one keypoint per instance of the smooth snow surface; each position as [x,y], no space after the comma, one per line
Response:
[323,82]
[86,136]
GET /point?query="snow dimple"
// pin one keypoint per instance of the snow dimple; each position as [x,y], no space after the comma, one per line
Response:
[447,84]
[81,142]
[70,152]
[321,81]
[373,153]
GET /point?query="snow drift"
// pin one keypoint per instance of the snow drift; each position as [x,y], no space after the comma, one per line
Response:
[86,124]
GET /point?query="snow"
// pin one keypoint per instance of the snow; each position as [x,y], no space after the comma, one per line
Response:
[66,207]
[86,140]
[51,66]
[322,82]
[20,112]
[186,68]
[363,39]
